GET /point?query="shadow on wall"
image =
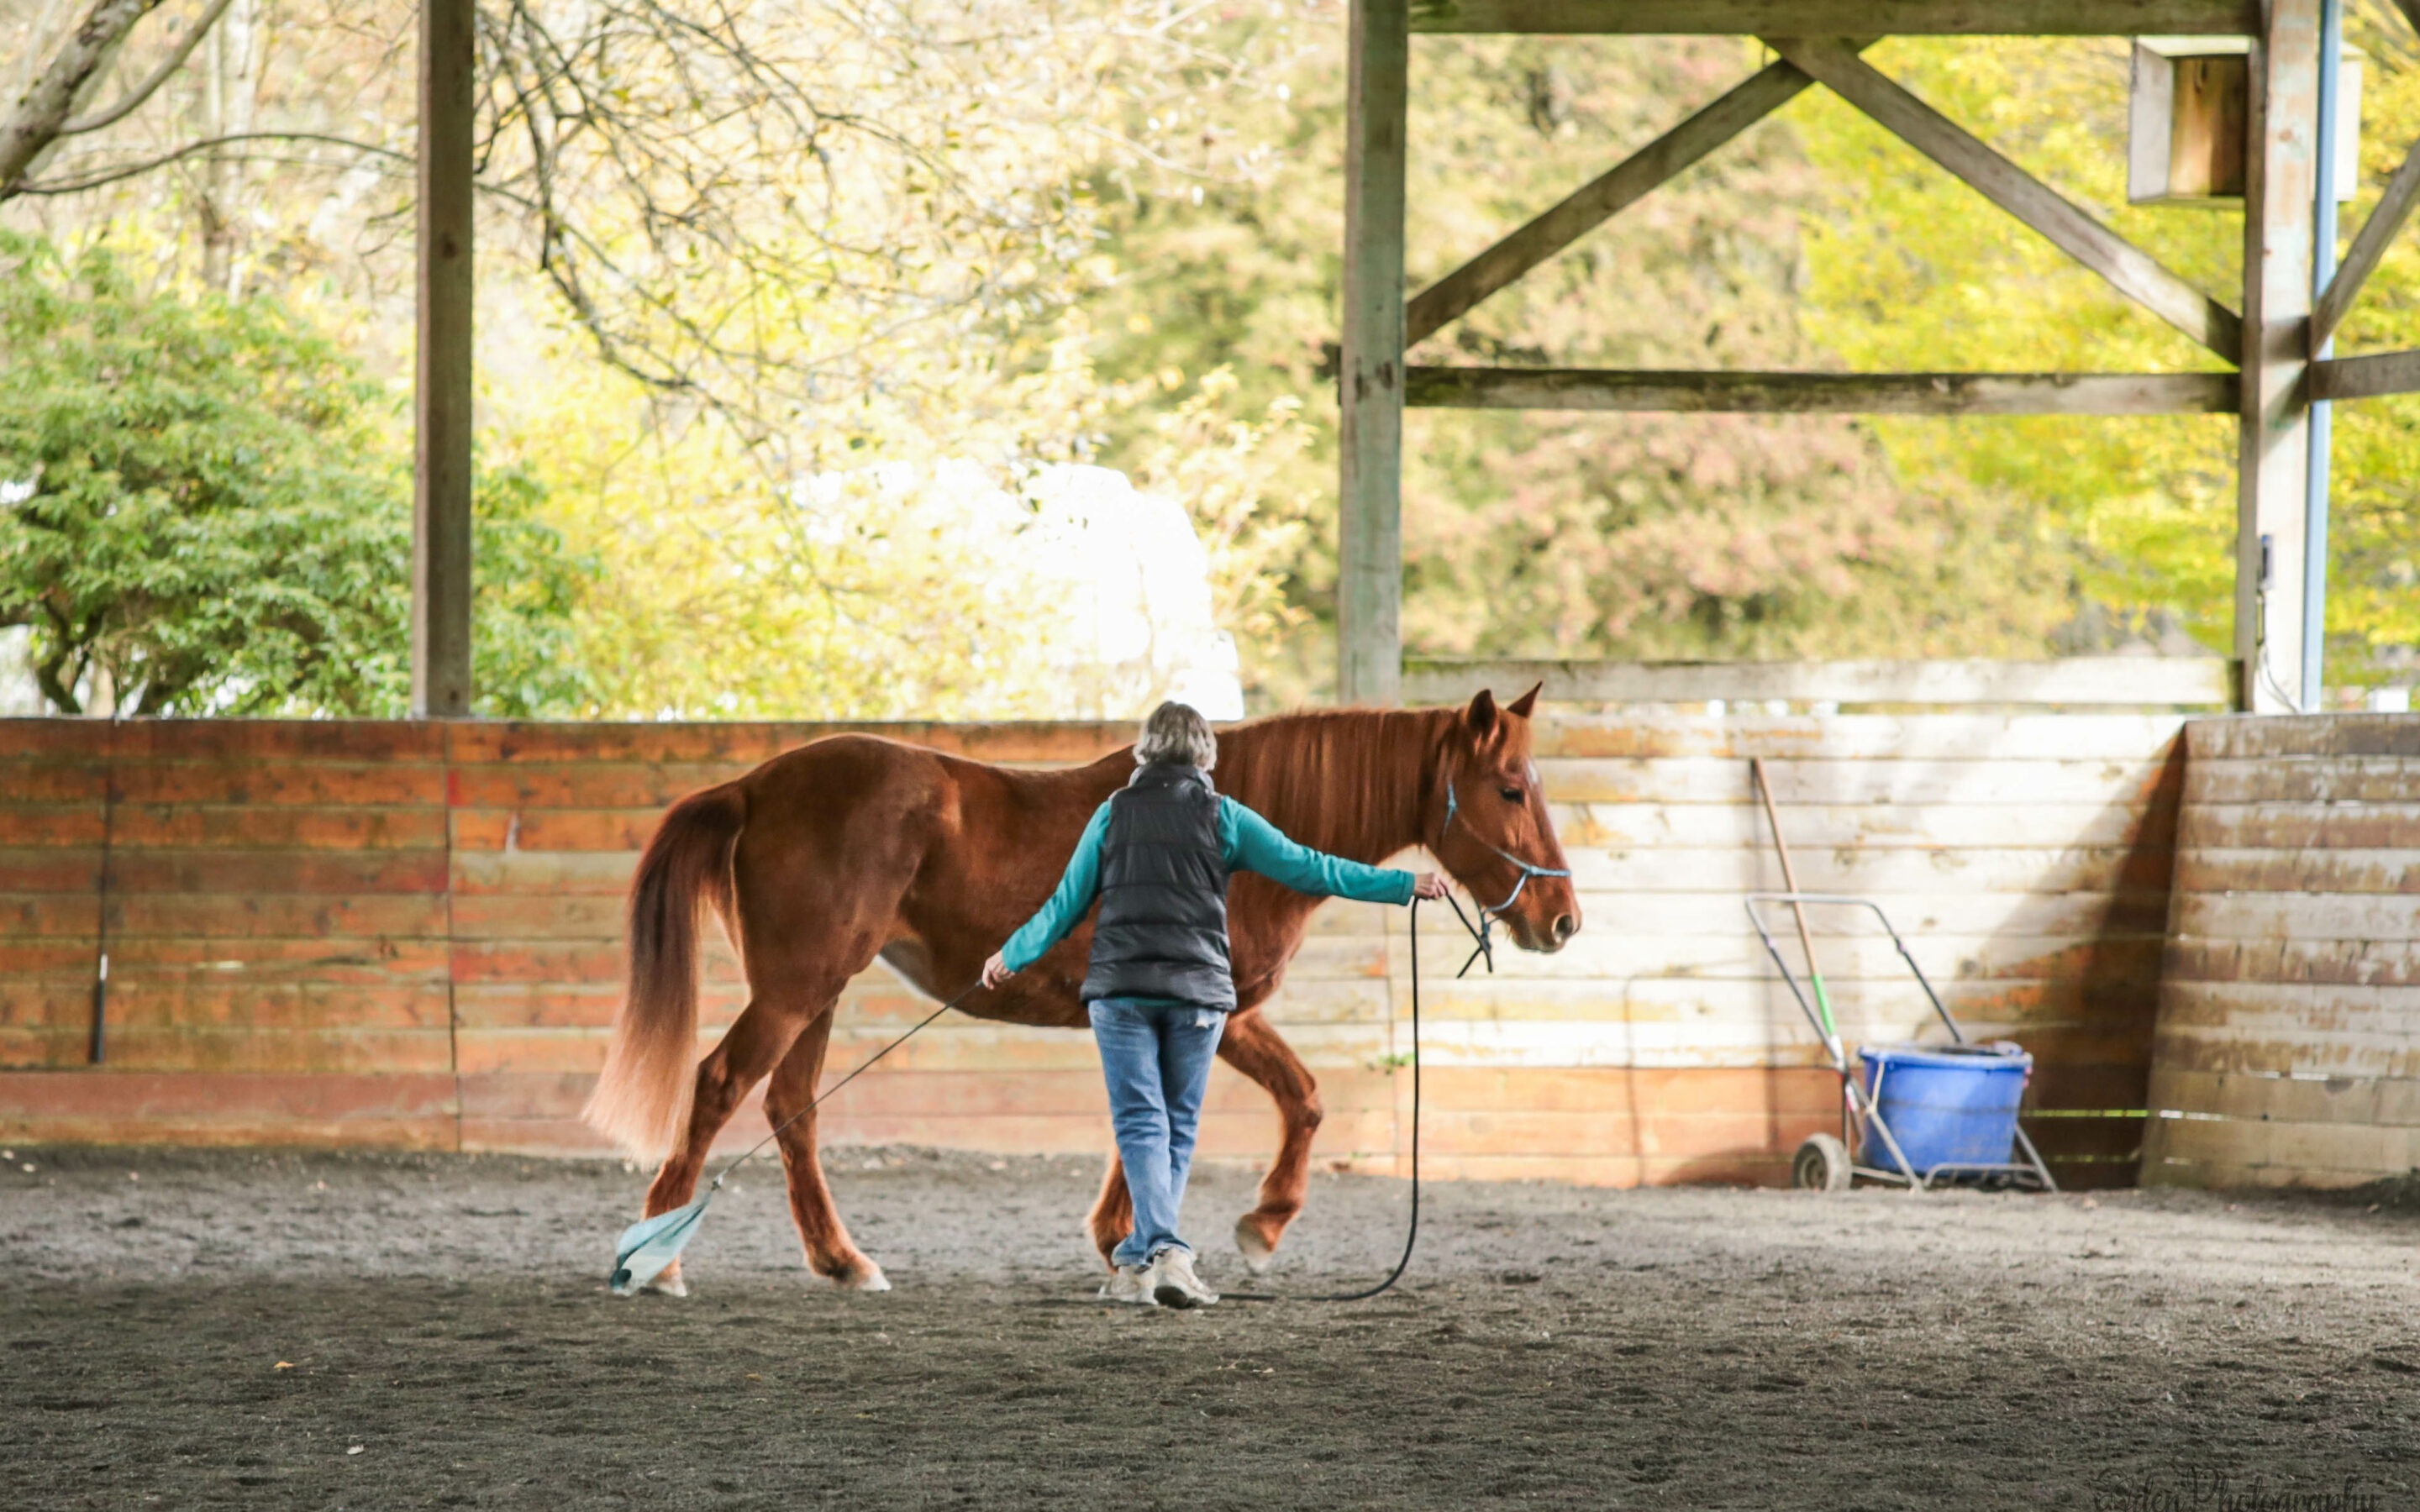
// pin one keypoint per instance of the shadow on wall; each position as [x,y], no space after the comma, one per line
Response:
[2031,879]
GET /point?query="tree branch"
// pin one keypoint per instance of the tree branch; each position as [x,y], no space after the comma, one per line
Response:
[141,92]
[35,124]
[77,186]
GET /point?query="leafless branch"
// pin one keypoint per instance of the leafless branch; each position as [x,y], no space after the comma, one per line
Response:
[135,97]
[112,175]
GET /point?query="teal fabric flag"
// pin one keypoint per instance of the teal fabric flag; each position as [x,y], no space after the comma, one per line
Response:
[650,1245]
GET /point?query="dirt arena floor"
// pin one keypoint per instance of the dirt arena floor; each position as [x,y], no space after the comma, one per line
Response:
[236,1329]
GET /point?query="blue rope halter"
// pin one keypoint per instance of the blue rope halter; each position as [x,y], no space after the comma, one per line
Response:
[1480,932]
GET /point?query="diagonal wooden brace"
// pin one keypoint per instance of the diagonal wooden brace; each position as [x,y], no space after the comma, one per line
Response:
[2369,246]
[1592,204]
[2128,269]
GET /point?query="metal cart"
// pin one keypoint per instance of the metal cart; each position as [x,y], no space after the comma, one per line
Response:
[1825,1162]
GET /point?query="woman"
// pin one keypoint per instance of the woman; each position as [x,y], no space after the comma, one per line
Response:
[1158,855]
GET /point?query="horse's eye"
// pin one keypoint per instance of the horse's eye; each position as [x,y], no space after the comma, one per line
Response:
[1510,794]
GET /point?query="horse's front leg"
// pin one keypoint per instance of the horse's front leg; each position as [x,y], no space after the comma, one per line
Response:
[1252,1048]
[830,1252]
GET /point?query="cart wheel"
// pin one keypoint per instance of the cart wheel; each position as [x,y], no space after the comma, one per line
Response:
[1822,1166]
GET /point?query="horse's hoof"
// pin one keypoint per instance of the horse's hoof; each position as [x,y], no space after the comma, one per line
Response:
[1259,1253]
[863,1277]
[668,1282]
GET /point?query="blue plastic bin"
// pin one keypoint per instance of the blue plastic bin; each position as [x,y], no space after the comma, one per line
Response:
[1946,1104]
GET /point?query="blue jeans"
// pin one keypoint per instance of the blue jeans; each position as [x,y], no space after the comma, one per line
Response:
[1156,1060]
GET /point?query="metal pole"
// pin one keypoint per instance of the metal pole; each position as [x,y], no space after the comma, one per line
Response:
[441,513]
[2323,268]
[1370,379]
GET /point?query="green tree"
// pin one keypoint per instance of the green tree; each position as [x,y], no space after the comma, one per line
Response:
[206,511]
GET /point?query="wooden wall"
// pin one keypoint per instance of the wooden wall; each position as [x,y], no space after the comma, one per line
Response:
[410,935]
[2289,1048]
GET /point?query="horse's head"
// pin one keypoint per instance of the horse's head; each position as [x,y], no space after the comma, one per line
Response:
[1487,822]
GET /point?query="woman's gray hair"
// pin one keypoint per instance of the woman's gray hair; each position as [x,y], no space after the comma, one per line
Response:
[1177,732]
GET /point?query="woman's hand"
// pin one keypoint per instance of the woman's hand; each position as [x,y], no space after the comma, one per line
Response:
[996,970]
[1428,885]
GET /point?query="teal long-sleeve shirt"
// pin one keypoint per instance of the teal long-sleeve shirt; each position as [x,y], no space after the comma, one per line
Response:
[1247,841]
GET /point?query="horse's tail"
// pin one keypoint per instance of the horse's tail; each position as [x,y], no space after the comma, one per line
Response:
[643,1097]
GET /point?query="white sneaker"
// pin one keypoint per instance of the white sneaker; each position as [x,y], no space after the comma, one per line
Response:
[1129,1283]
[1173,1282]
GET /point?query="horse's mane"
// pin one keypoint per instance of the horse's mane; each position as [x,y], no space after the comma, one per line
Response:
[1349,782]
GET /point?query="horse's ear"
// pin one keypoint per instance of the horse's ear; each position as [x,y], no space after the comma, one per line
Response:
[1526,702]
[1481,716]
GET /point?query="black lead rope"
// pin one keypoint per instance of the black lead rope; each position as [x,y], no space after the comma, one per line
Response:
[1412,1228]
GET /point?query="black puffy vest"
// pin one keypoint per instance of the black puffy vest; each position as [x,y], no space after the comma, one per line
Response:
[1163,926]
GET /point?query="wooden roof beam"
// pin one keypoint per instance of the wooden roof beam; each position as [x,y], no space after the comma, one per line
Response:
[1698,391]
[2128,269]
[1846,17]
[1601,199]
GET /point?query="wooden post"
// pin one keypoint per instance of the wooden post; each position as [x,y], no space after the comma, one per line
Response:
[2272,453]
[1370,385]
[441,516]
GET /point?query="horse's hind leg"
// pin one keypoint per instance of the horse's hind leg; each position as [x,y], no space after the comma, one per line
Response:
[753,1046]
[830,1252]
[1113,1215]
[1253,1048]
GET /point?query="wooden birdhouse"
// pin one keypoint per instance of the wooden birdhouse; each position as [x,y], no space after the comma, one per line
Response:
[2190,108]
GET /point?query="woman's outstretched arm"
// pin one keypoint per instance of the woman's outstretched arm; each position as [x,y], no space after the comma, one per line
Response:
[1067,906]
[1254,844]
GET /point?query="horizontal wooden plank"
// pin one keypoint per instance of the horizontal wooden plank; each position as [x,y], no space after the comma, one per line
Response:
[2067,1139]
[367,784]
[1738,735]
[2262,916]
[1859,871]
[2287,1009]
[1794,782]
[1660,1091]
[133,999]
[1867,826]
[1844,18]
[2305,1099]
[1607,950]
[1733,391]
[49,824]
[394,743]
[2335,873]
[2378,962]
[2345,780]
[620,830]
[367,917]
[2246,737]
[2304,1148]
[2227,1048]
[592,873]
[244,1127]
[2222,1176]
[137,826]
[2302,826]
[2179,681]
[2367,377]
[187,1048]
[746,744]
[126,1096]
[1939,911]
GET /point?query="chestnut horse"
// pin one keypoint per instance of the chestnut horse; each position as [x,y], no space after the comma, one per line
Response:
[855,846]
